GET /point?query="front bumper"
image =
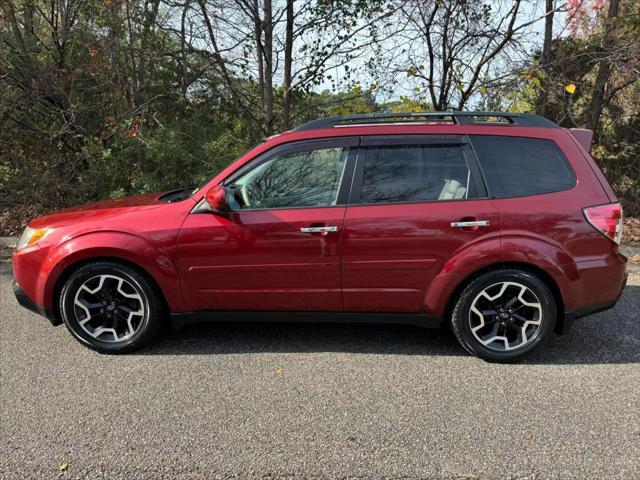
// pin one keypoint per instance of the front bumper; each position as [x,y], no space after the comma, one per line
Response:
[26,302]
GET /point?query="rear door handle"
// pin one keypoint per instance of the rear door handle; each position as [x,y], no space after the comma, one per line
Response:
[474,223]
[327,229]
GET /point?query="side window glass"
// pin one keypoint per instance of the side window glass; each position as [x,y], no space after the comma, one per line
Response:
[300,179]
[519,166]
[415,173]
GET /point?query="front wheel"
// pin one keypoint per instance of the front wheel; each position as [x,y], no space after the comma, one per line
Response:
[111,308]
[504,314]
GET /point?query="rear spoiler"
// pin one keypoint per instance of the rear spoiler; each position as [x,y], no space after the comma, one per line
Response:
[584,137]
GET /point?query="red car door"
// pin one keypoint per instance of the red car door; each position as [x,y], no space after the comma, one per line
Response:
[279,248]
[403,221]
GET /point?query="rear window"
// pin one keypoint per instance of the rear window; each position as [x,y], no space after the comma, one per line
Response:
[519,166]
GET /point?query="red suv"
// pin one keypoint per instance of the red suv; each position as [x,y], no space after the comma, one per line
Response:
[498,224]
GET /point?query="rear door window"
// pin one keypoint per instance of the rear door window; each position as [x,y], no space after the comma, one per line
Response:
[398,173]
[519,166]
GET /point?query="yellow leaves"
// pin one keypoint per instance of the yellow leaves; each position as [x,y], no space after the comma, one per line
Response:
[528,436]
[483,90]
[279,372]
[570,89]
[598,151]
[407,104]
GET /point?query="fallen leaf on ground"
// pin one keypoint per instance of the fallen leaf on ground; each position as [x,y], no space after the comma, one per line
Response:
[528,436]
[64,465]
[634,258]
[280,372]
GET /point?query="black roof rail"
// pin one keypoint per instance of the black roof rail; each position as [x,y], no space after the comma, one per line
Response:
[460,118]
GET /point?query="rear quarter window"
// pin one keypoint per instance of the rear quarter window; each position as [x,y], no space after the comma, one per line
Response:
[520,166]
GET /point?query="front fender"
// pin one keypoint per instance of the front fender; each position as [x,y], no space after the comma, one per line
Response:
[155,260]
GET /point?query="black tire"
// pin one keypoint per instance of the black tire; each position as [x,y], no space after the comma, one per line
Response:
[137,284]
[462,317]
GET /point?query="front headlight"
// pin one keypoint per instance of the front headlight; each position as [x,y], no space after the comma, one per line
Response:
[31,236]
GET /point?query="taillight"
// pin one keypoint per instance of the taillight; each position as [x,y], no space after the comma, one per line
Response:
[607,219]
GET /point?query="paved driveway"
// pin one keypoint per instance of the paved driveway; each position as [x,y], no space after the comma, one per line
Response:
[305,401]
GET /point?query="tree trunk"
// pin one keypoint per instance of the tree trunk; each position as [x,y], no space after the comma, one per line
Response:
[604,69]
[268,67]
[288,54]
[548,29]
[257,32]
[541,104]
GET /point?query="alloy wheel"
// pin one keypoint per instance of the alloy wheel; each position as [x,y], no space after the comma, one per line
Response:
[505,316]
[110,308]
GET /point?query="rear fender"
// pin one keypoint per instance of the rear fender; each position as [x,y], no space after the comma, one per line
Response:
[508,251]
[463,263]
[554,260]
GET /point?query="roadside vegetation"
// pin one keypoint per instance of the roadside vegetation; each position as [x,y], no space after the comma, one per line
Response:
[104,98]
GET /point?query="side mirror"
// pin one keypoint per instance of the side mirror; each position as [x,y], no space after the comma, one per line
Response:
[216,197]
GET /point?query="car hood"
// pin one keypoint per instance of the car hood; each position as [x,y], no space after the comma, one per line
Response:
[98,210]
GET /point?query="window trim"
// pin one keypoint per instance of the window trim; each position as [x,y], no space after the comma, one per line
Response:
[350,143]
[563,156]
[427,140]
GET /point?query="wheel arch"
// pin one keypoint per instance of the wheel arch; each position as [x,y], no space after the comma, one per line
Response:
[154,262]
[527,267]
[72,267]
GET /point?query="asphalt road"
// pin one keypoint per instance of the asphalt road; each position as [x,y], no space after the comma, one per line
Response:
[318,401]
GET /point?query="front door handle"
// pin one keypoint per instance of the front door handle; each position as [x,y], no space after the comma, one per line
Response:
[327,229]
[474,223]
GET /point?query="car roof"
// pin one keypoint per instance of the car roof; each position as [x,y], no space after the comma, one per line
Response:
[429,118]
[420,123]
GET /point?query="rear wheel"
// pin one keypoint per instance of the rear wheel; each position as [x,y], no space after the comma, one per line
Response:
[504,314]
[111,308]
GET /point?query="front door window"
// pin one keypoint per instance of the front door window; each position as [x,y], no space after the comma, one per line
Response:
[294,180]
